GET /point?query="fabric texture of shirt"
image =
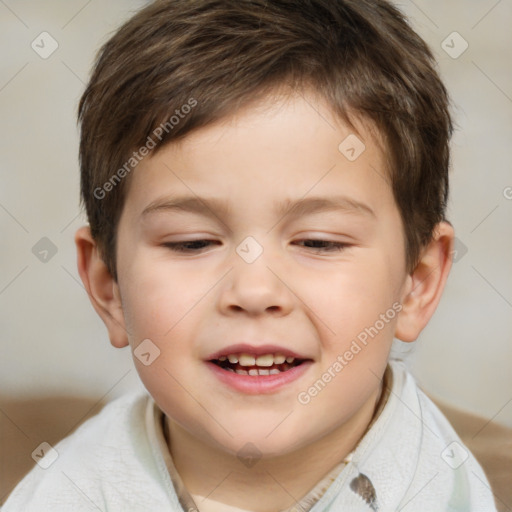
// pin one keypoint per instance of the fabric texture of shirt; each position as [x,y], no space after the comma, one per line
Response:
[410,459]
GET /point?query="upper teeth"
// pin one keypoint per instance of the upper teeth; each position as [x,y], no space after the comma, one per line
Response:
[263,360]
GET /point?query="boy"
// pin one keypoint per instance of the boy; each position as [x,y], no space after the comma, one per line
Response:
[265,183]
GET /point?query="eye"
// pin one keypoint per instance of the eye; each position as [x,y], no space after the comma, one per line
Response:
[195,246]
[189,246]
[324,245]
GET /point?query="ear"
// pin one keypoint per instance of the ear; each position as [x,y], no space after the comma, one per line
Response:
[424,286]
[101,287]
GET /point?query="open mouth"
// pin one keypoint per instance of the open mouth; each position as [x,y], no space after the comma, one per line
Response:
[268,364]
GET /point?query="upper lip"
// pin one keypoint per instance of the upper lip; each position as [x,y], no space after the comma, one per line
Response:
[255,350]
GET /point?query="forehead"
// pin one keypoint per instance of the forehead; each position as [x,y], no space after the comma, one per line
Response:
[293,153]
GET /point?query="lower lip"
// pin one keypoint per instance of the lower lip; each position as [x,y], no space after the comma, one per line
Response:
[259,384]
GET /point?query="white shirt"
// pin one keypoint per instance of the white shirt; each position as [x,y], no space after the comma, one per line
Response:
[410,460]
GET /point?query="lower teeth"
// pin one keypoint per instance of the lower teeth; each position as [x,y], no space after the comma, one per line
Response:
[258,371]
[254,372]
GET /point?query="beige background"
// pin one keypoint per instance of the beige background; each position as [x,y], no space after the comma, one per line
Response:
[52,340]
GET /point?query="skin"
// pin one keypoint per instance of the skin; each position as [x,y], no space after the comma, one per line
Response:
[315,303]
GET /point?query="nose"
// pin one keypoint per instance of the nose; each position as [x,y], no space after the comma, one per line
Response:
[256,288]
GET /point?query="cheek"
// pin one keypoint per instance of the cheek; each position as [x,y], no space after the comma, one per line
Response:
[163,306]
[355,310]
[159,298]
[355,293]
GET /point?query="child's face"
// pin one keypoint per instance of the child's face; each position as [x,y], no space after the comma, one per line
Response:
[310,301]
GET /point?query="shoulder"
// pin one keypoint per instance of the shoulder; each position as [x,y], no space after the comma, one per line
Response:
[443,462]
[108,459]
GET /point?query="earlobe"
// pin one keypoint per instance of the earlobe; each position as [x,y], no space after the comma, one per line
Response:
[423,288]
[102,289]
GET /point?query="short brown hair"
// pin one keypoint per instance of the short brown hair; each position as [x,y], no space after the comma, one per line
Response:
[361,56]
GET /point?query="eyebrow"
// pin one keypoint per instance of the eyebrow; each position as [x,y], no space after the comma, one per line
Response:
[297,208]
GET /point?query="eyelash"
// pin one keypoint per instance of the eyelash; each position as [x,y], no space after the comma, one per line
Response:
[334,246]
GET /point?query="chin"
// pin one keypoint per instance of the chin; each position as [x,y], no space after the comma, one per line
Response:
[257,443]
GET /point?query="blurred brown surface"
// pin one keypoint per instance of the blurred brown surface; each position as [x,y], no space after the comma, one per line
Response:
[491,444]
[24,424]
